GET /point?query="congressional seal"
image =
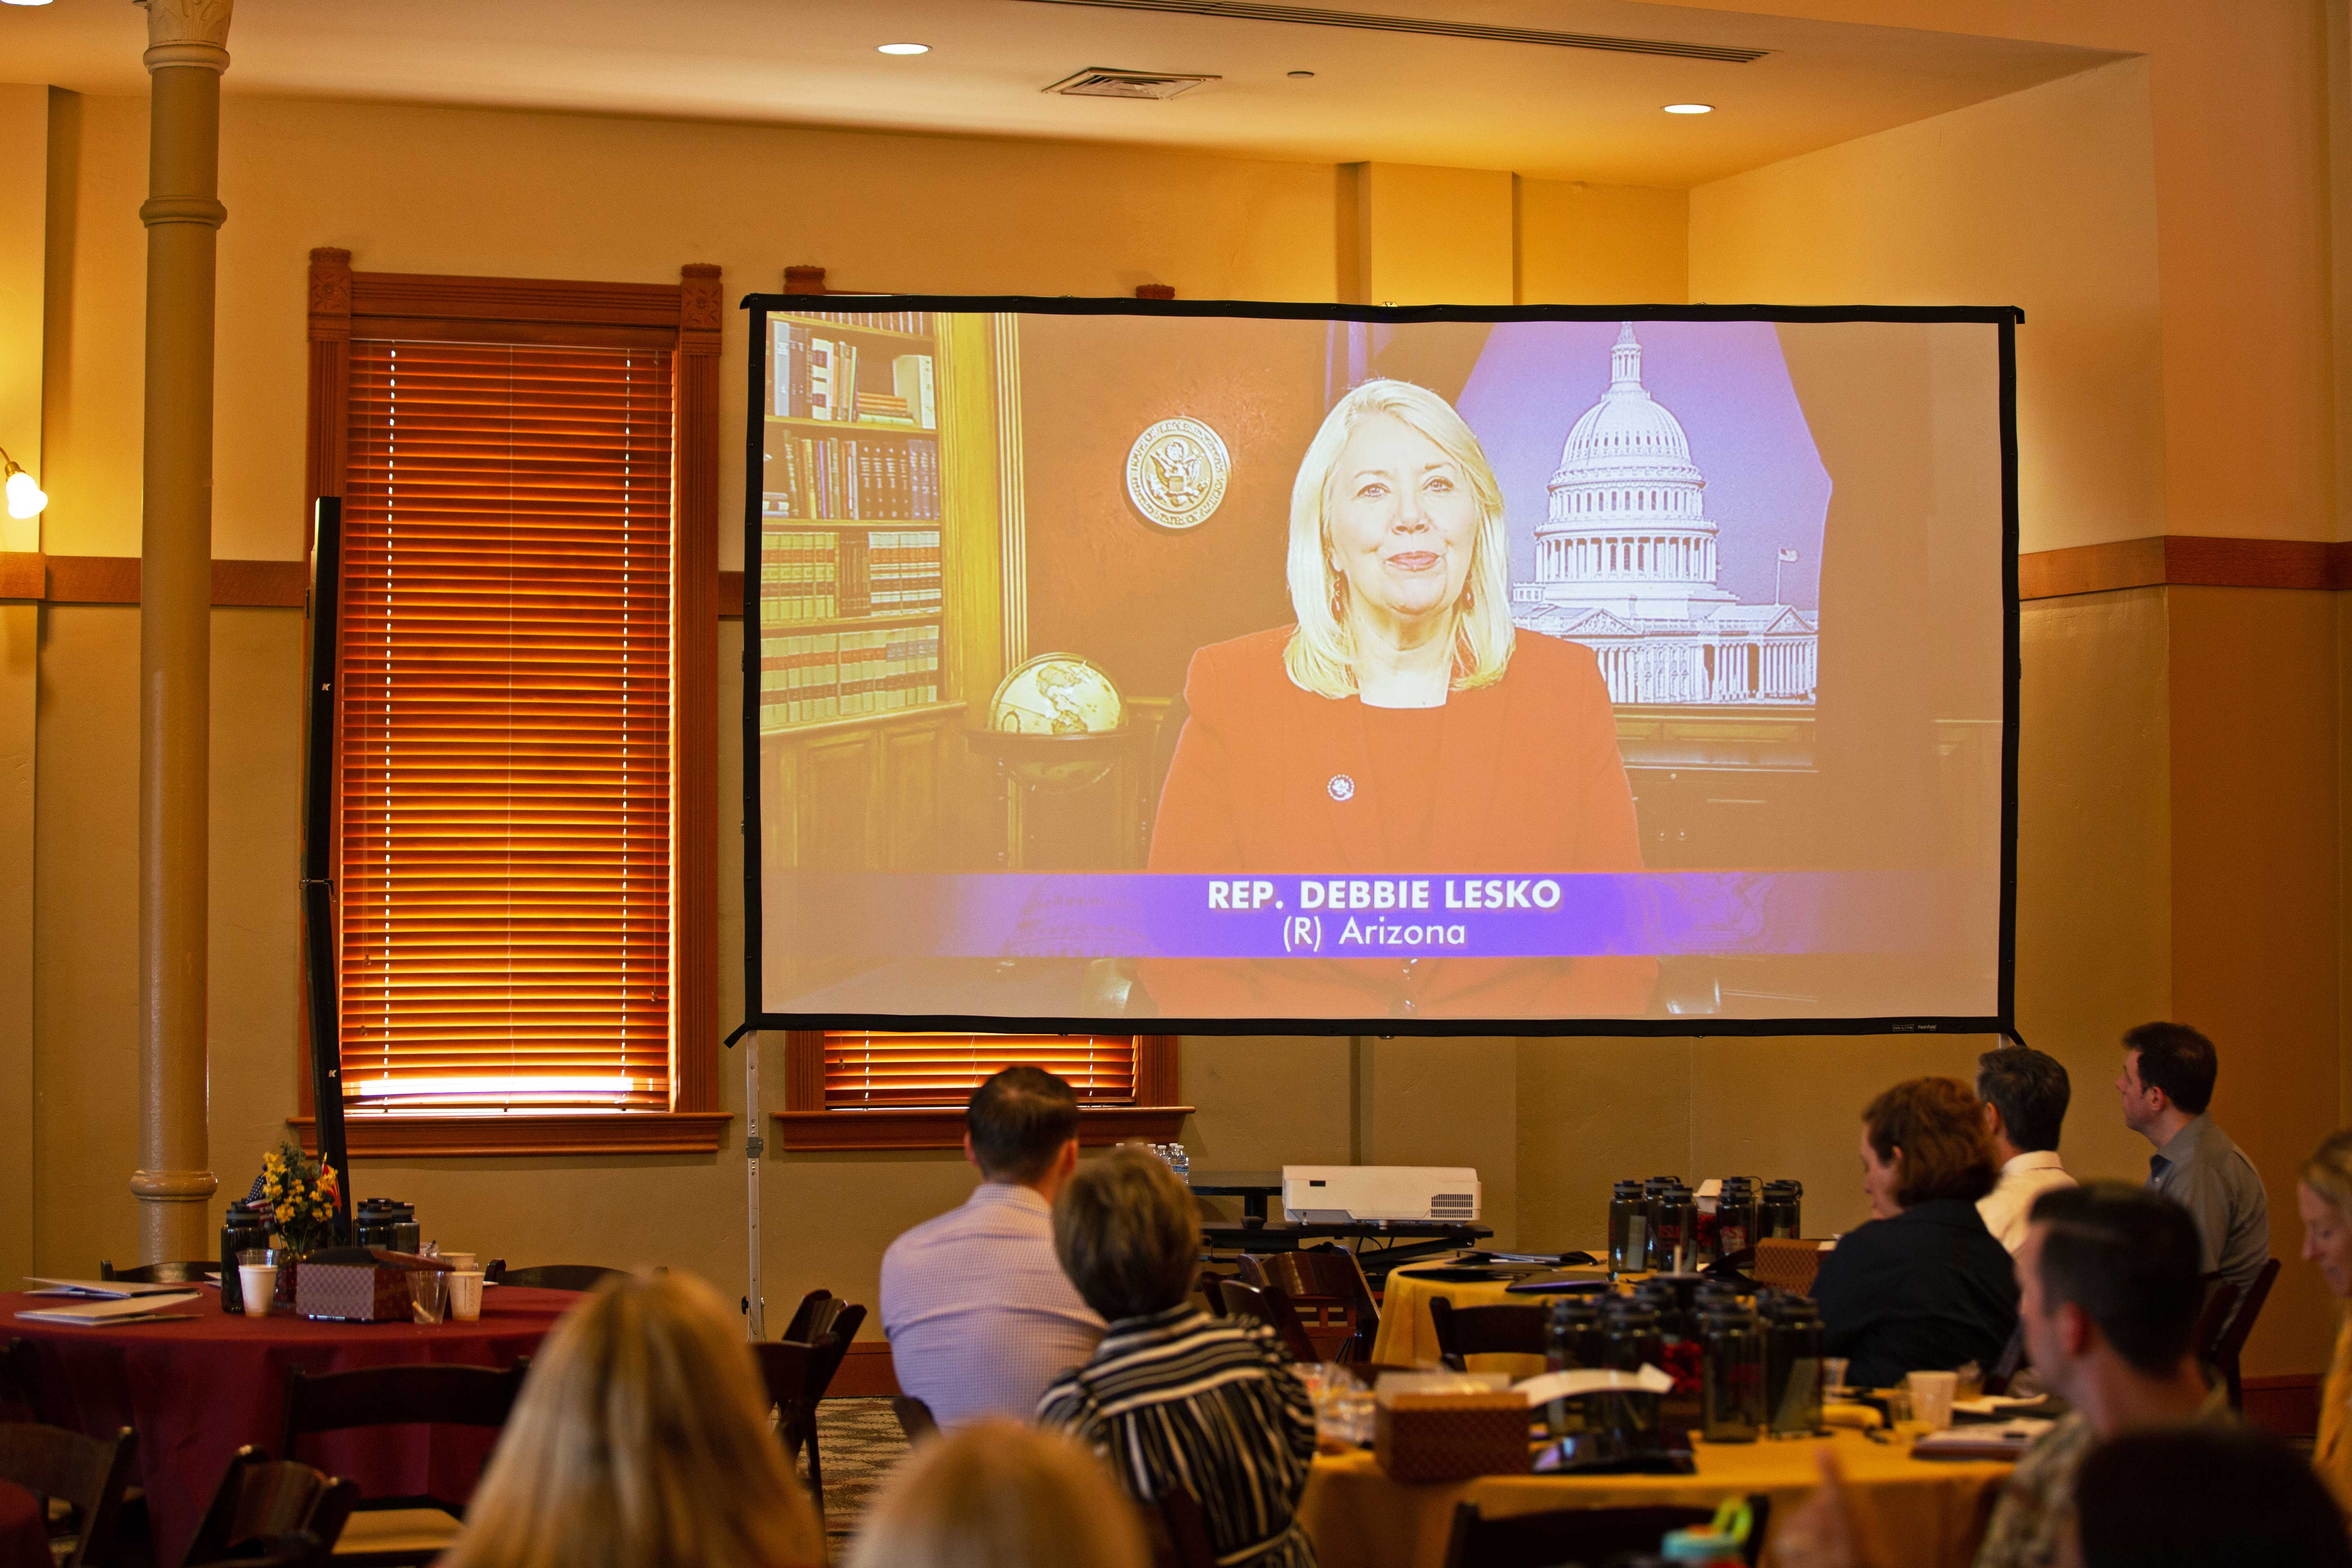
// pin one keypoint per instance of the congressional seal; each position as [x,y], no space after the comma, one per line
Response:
[1176,473]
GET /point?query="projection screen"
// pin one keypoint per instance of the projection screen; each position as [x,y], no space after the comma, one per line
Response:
[1239,667]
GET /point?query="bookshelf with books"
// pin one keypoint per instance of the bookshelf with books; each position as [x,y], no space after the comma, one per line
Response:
[879,615]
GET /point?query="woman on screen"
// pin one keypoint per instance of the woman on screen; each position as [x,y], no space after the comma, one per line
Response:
[1401,725]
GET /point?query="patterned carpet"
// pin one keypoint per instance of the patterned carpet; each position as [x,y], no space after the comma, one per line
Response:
[861,1442]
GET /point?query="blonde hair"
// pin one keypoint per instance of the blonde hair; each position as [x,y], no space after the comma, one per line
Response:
[1321,654]
[997,1494]
[1128,1233]
[2328,1172]
[641,1440]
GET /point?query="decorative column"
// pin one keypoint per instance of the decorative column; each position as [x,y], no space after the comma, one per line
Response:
[186,53]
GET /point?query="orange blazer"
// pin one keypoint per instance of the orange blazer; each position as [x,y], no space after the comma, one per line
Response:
[1266,777]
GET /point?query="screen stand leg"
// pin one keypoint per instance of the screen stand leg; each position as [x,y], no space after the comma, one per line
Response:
[755,1305]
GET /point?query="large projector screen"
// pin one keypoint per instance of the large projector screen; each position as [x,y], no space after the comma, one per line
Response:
[1223,666]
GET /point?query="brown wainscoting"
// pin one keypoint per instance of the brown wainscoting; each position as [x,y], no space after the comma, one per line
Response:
[866,1372]
[23,575]
[2288,1405]
[2184,560]
[114,580]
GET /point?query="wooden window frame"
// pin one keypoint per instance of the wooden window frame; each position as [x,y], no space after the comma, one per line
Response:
[806,1123]
[683,318]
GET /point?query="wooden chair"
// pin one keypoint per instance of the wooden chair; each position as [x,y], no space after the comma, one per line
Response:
[261,1500]
[551,1276]
[298,1549]
[1583,1535]
[397,1532]
[1272,1308]
[2222,1350]
[87,1474]
[1178,1531]
[1326,1287]
[915,1418]
[813,1316]
[2004,1372]
[797,1375]
[1787,1263]
[1501,1329]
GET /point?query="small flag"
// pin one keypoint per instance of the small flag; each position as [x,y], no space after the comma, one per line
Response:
[1788,555]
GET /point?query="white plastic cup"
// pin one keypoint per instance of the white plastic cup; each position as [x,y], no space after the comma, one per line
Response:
[1931,1398]
[258,1283]
[466,1295]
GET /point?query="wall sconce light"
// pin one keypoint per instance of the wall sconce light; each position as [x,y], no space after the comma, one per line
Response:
[26,498]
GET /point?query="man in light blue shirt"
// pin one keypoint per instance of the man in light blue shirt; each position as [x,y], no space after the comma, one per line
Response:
[980,1315]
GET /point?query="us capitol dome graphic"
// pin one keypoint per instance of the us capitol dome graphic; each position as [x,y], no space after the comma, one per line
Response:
[1626,564]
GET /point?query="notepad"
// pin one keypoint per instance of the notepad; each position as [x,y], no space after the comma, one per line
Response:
[89,1313]
[103,1289]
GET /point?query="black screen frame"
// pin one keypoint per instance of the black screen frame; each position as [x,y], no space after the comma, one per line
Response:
[2005,319]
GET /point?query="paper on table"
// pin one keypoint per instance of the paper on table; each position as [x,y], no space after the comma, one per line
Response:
[2018,1436]
[88,1313]
[103,1289]
[1994,1404]
[1553,1385]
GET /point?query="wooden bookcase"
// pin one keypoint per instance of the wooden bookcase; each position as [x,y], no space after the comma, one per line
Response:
[880,790]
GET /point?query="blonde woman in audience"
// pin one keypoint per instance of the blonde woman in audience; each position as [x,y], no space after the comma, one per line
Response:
[1173,1397]
[2325,1198]
[996,1494]
[641,1440]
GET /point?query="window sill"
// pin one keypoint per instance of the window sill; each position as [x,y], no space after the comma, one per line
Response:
[428,1137]
[941,1126]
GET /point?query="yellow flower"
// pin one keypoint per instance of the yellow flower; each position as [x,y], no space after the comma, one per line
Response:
[284,1212]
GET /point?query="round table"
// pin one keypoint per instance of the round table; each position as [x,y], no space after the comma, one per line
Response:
[1924,1513]
[1407,1337]
[24,1529]
[198,1389]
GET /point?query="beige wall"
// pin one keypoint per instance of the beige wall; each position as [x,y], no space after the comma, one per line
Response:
[2178,847]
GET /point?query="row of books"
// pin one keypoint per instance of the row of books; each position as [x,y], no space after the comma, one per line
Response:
[885,320]
[843,478]
[811,376]
[815,676]
[806,575]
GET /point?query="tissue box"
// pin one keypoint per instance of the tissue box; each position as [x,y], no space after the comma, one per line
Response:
[1451,1436]
[357,1285]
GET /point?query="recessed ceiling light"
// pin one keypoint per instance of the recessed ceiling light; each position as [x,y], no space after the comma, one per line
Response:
[1690,109]
[1300,76]
[903,48]
[24,2]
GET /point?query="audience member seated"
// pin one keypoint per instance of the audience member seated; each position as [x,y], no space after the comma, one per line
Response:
[2166,1083]
[2025,1094]
[2204,1498]
[1923,1286]
[2324,1196]
[980,1316]
[996,1494]
[641,1437]
[2109,1295]
[1174,1396]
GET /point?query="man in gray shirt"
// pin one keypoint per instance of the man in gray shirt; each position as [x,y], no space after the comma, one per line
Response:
[2166,1083]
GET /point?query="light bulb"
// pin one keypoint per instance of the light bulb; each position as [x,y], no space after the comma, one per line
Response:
[902,48]
[26,498]
[1690,109]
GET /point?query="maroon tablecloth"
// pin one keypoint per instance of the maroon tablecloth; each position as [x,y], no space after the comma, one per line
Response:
[24,1530]
[198,1390]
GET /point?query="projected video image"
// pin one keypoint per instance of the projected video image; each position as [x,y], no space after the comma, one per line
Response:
[1251,667]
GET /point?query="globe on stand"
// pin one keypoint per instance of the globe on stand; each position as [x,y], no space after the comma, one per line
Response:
[1057,694]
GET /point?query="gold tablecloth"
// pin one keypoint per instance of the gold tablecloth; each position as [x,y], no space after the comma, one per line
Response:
[1922,1514]
[1407,1338]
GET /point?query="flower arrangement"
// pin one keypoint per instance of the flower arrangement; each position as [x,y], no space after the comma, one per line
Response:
[300,1195]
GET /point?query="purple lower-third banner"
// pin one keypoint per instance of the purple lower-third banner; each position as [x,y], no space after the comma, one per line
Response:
[1015,914]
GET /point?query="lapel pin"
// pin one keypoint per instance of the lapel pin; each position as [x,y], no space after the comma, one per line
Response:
[1341,787]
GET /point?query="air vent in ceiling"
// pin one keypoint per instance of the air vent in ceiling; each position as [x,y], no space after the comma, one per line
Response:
[1106,82]
[1247,11]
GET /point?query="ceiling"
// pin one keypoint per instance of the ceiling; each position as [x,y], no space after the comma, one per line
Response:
[1554,113]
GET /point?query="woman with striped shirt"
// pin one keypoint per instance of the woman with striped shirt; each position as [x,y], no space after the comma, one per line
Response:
[1174,1397]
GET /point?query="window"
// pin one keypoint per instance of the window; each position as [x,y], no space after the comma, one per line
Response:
[526,788]
[877,1090]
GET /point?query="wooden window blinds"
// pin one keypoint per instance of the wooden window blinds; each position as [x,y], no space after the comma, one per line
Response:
[881,1070]
[504,705]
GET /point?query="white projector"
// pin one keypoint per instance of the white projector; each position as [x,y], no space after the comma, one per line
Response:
[1339,1194]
